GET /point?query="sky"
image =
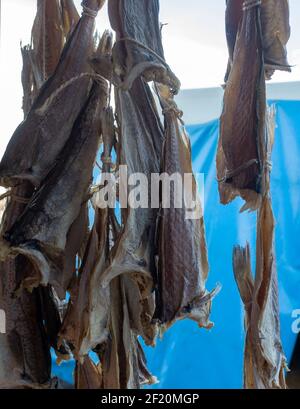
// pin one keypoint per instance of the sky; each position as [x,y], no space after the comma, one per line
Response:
[193,38]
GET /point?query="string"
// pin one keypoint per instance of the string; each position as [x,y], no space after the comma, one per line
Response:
[88,12]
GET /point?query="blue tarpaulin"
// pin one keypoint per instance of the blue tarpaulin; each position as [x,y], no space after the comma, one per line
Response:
[189,357]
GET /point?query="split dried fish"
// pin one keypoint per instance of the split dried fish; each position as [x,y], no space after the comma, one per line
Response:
[45,130]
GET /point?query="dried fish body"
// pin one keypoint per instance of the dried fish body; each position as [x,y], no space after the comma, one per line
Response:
[138,51]
[275,34]
[40,233]
[182,268]
[45,130]
[242,121]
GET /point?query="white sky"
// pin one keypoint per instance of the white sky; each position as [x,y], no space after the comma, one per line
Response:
[194,43]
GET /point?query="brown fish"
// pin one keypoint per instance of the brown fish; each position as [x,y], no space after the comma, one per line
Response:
[276,32]
[183,265]
[242,120]
[45,130]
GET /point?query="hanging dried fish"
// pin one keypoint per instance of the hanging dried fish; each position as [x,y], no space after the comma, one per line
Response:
[183,265]
[138,52]
[24,353]
[45,130]
[40,233]
[242,121]
[86,322]
[265,362]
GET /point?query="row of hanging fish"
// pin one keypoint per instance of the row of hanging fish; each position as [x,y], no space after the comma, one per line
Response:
[126,278]
[257,34]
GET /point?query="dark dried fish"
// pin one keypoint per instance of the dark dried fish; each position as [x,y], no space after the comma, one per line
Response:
[238,159]
[45,130]
[41,231]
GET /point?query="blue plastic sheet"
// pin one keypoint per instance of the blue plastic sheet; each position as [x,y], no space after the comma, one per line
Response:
[189,357]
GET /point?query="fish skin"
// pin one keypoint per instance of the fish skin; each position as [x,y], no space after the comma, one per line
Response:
[242,120]
[131,60]
[45,130]
[41,231]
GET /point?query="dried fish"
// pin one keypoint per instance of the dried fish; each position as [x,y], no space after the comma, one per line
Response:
[41,231]
[138,50]
[45,130]
[275,35]
[47,37]
[265,362]
[182,273]
[242,121]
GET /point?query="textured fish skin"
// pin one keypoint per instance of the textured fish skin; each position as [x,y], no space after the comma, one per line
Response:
[242,120]
[276,33]
[40,232]
[183,265]
[138,52]
[45,130]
